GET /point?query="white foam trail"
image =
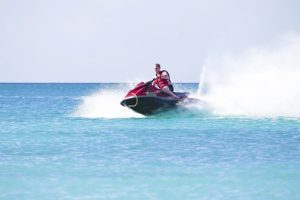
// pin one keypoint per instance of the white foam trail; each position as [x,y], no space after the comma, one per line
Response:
[201,81]
[264,81]
[104,104]
[198,108]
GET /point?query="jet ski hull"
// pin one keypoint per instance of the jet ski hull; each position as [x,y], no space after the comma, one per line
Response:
[148,100]
[149,105]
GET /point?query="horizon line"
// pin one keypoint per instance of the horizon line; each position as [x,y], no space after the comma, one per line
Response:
[76,82]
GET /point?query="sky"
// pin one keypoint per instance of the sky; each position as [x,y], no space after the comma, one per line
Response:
[121,40]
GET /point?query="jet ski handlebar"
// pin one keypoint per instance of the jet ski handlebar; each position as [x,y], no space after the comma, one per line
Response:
[150,82]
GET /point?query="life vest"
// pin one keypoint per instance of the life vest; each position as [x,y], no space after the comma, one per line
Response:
[162,82]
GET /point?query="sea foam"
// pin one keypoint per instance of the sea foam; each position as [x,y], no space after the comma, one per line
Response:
[105,103]
[263,81]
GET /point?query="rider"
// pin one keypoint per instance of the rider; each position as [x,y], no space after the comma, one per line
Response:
[163,81]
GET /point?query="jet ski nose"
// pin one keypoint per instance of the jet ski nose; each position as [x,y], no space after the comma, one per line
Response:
[122,103]
[130,102]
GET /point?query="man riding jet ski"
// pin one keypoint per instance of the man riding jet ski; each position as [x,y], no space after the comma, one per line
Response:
[163,82]
[147,99]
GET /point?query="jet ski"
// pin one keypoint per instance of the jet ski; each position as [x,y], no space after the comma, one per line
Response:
[146,99]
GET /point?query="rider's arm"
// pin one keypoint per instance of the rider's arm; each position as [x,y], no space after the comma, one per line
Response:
[154,82]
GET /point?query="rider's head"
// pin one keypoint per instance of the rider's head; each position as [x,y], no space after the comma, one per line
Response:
[157,67]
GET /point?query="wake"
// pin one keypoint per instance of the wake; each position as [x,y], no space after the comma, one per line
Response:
[264,81]
[105,103]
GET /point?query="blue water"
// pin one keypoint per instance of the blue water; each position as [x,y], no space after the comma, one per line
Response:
[50,150]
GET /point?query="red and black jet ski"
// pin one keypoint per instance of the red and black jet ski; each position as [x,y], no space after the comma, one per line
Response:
[146,99]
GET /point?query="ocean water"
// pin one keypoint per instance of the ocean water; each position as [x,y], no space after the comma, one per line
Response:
[75,141]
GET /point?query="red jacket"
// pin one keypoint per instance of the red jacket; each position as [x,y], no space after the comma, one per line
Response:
[161,83]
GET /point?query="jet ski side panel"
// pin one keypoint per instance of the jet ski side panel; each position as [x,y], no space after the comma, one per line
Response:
[148,105]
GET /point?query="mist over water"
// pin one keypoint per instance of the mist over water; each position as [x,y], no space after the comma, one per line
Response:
[263,81]
[105,103]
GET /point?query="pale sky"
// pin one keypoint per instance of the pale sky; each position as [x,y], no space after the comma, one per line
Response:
[121,40]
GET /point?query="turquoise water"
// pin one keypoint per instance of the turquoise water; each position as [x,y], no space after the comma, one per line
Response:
[74,141]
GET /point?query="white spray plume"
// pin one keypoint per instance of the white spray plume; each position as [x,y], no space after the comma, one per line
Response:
[264,81]
[104,104]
